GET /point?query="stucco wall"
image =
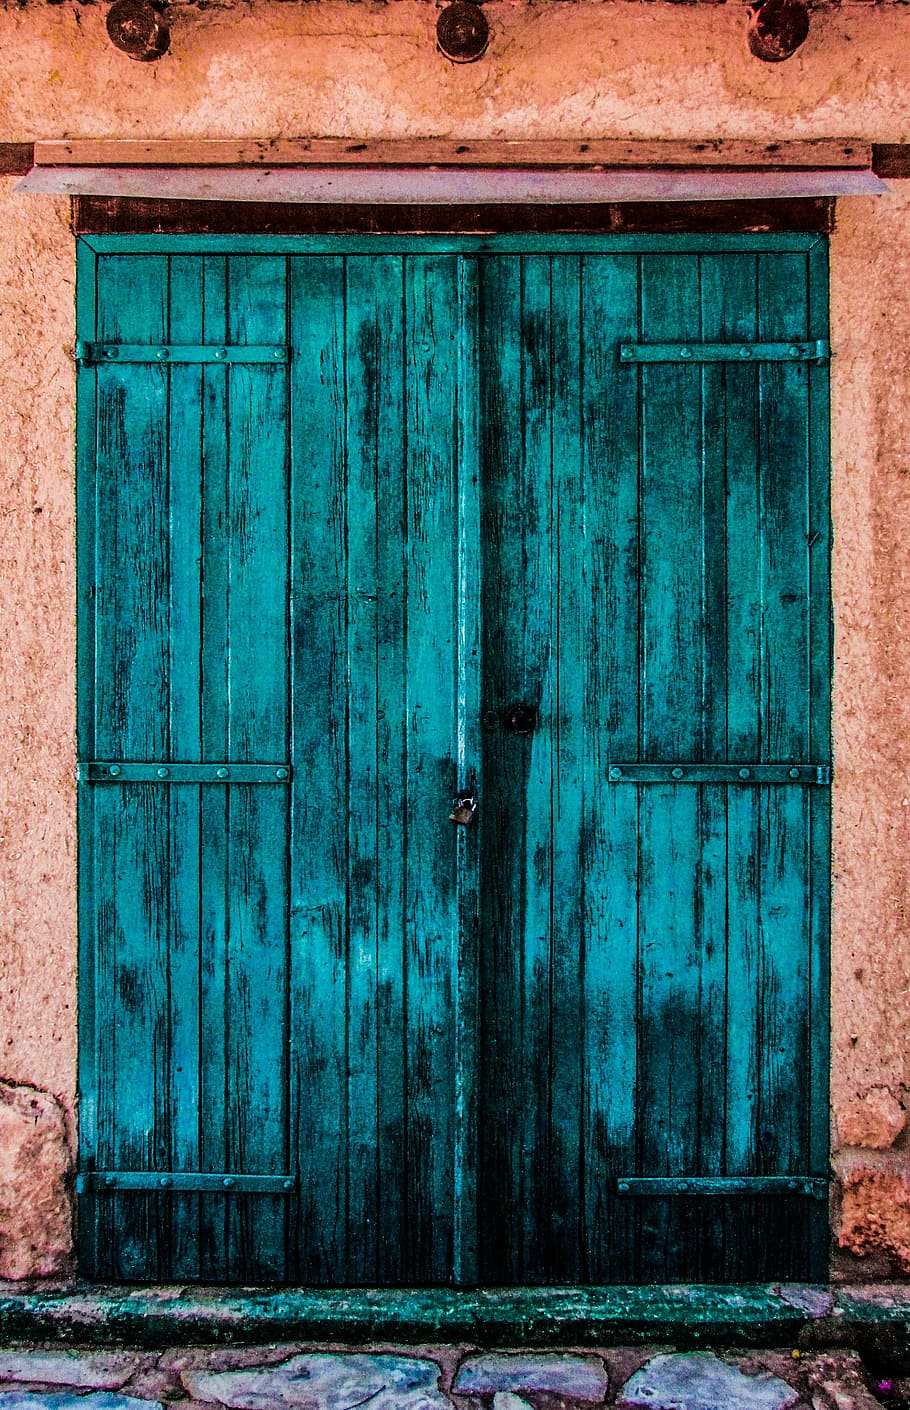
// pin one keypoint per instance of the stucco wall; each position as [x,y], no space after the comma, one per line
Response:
[612,69]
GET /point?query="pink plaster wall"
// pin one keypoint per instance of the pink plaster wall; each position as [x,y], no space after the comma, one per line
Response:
[609,69]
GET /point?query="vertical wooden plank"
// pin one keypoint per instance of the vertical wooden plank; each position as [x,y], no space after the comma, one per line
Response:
[609,838]
[563,1243]
[672,728]
[181,1093]
[257,532]
[468,756]
[432,310]
[784,880]
[517,510]
[214,817]
[377,589]
[131,722]
[319,824]
[531,557]
[728,552]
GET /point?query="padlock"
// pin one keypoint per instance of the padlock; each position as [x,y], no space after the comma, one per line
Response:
[464,809]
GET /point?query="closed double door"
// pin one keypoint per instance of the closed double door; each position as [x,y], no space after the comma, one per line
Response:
[374,532]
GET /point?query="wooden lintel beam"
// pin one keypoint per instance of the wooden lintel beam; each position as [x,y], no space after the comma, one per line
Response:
[891,159]
[730,154]
[16,158]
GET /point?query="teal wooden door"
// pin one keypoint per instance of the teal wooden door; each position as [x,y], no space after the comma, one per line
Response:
[368,524]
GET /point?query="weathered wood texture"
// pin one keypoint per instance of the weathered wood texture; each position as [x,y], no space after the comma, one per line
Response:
[16,158]
[455,497]
[734,154]
[120,215]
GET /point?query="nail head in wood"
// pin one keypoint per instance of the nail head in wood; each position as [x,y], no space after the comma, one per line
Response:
[777,28]
[136,28]
[462,32]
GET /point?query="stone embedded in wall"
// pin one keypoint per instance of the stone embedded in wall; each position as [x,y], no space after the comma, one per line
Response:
[875,1208]
[874,1120]
[35,1207]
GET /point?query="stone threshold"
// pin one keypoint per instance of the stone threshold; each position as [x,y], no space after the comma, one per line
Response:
[872,1318]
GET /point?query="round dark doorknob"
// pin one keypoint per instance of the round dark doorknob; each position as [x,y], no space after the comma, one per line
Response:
[521,719]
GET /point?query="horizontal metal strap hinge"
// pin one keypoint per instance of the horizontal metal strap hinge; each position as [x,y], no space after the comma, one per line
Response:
[94,353]
[719,773]
[819,350]
[814,1186]
[126,771]
[92,1182]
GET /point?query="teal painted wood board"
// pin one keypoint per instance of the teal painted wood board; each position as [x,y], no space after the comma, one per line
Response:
[313,589]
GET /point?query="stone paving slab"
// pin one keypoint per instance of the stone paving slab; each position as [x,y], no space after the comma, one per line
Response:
[100,1370]
[699,1380]
[324,1381]
[581,1378]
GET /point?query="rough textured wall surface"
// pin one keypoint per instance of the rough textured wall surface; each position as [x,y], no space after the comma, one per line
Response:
[268,69]
[37,606]
[365,69]
[870,299]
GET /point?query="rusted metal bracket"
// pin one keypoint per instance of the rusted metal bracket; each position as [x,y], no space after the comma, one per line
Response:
[815,1187]
[128,771]
[93,1182]
[95,353]
[790,351]
[719,773]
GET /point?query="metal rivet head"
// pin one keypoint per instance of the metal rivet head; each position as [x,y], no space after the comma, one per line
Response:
[795,351]
[109,1180]
[114,770]
[163,773]
[222,773]
[745,352]
[622,1185]
[281,773]
[677,773]
[279,354]
[165,1181]
[626,353]
[221,354]
[162,354]
[616,773]
[289,1184]
[744,773]
[228,1183]
[794,773]
[792,1184]
[110,352]
[685,352]
[683,1187]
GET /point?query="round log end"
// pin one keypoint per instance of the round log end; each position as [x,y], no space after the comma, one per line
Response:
[136,28]
[462,32]
[777,28]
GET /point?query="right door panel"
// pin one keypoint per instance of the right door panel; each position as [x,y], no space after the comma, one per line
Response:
[654,939]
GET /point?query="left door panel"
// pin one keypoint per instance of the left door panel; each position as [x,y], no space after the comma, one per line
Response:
[275,520]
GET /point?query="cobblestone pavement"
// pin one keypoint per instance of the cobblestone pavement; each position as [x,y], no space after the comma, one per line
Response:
[434,1378]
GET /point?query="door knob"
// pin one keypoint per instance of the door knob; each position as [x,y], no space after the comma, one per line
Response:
[521,719]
